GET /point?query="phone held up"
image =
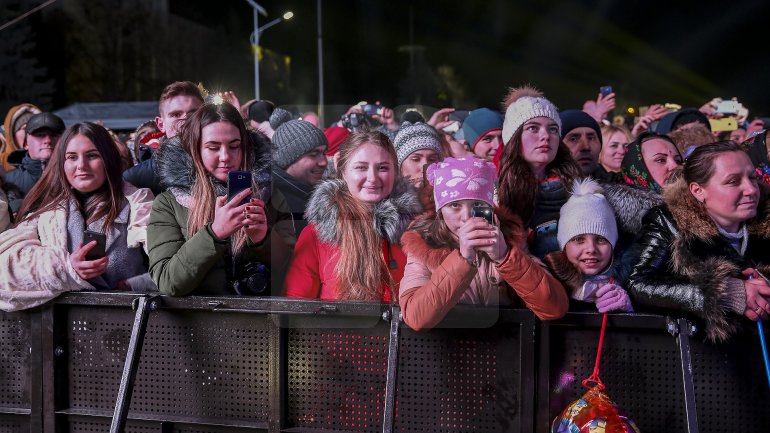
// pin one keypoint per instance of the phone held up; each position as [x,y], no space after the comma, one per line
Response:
[605,90]
[485,212]
[99,250]
[237,181]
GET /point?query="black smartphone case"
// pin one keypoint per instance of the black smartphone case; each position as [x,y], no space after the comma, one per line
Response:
[237,181]
[98,251]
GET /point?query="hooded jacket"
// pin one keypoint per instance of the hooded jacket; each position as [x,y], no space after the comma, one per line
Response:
[312,271]
[35,261]
[182,264]
[682,263]
[11,119]
[438,278]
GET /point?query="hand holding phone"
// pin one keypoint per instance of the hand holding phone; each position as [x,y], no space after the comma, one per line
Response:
[485,212]
[99,250]
[89,261]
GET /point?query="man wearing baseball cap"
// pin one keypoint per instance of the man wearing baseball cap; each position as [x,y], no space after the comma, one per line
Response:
[43,133]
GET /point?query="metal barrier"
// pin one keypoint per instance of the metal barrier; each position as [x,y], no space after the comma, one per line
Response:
[279,365]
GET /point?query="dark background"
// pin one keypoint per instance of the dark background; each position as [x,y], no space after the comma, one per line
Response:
[469,52]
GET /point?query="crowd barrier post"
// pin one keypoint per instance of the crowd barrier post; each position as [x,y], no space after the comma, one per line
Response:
[143,305]
[682,329]
[394,315]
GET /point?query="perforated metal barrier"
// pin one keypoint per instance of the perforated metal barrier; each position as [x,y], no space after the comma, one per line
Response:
[243,365]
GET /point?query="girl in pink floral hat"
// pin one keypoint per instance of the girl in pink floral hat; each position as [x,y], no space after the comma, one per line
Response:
[455,257]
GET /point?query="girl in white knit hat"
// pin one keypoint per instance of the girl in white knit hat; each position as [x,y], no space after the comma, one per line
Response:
[587,235]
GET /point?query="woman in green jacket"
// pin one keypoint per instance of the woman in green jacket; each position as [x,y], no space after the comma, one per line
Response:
[199,241]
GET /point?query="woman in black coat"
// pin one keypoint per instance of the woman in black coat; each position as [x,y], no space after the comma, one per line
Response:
[696,252]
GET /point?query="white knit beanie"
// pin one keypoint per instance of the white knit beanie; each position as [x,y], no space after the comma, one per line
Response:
[525,103]
[587,212]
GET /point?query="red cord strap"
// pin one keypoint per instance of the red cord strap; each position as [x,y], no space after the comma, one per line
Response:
[594,377]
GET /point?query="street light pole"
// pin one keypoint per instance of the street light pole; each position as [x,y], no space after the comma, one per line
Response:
[256,9]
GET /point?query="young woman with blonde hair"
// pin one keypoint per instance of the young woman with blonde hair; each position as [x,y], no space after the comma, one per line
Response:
[350,248]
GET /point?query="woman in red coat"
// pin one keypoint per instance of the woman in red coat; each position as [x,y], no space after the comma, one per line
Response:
[362,210]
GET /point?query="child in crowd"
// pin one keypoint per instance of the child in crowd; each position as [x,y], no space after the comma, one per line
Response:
[454,257]
[587,236]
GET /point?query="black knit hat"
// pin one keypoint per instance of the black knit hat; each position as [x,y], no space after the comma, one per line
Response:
[293,139]
[571,119]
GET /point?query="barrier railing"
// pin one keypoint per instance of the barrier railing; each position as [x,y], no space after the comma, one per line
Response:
[280,365]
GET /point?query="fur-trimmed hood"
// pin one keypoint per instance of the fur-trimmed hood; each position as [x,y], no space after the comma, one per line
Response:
[630,204]
[175,171]
[391,216]
[693,222]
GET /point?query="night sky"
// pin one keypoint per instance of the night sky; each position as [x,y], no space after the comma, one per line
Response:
[650,51]
[685,52]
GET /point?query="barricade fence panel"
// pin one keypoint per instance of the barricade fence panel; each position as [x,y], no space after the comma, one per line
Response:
[640,368]
[464,380]
[249,364]
[734,402]
[15,356]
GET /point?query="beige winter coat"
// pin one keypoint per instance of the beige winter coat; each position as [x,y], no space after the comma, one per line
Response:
[35,264]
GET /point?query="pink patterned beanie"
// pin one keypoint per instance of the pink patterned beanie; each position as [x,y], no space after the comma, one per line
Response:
[455,179]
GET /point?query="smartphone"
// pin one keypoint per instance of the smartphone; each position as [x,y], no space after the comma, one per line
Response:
[485,212]
[724,124]
[458,115]
[728,107]
[98,251]
[237,181]
[605,90]
[372,109]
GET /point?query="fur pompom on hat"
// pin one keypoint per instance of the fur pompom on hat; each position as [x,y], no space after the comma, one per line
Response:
[587,212]
[525,103]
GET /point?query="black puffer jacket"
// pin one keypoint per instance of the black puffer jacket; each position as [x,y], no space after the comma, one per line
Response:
[681,262]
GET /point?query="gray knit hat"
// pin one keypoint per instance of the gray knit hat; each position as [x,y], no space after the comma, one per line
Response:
[414,137]
[293,139]
[279,117]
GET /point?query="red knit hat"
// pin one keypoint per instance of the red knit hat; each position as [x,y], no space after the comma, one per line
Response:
[335,135]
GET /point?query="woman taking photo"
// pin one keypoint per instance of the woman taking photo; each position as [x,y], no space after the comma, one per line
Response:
[696,252]
[80,190]
[455,257]
[201,240]
[350,248]
[535,167]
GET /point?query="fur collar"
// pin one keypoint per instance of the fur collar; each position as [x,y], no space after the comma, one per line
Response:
[630,204]
[692,220]
[175,172]
[391,216]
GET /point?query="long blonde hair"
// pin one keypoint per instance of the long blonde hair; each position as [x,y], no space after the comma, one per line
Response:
[204,196]
[361,270]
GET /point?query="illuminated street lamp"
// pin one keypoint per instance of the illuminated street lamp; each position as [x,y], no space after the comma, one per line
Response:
[257,10]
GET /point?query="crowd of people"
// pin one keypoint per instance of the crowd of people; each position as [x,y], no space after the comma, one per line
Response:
[524,206]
